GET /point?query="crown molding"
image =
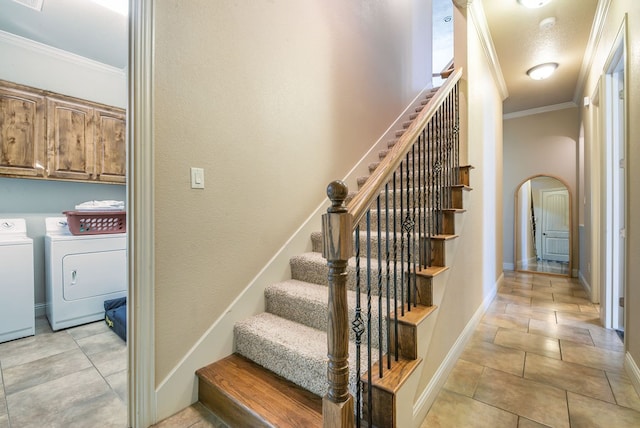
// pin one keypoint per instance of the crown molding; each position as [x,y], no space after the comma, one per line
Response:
[538,110]
[482,28]
[594,39]
[42,49]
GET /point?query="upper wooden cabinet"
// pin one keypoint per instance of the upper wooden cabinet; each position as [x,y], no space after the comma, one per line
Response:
[48,135]
[70,137]
[110,145]
[22,149]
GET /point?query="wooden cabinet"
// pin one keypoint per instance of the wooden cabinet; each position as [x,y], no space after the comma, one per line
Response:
[48,135]
[22,149]
[110,145]
[70,138]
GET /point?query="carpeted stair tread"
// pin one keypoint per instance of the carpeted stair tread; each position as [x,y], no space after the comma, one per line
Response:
[243,393]
[289,349]
[306,303]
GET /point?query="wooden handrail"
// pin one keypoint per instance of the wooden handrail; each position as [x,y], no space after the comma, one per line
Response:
[365,197]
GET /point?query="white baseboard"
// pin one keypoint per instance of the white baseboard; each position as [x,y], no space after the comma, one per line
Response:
[584,282]
[632,371]
[508,266]
[428,396]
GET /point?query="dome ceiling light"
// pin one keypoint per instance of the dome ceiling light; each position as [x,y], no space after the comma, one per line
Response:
[542,71]
[532,4]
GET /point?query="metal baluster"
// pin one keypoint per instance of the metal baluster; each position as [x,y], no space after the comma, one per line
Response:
[407,228]
[401,239]
[380,311]
[387,255]
[395,265]
[358,329]
[369,359]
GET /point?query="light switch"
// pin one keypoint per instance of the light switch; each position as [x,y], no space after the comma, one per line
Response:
[197,178]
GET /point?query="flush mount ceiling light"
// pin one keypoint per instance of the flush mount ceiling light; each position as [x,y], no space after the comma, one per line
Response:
[532,4]
[542,71]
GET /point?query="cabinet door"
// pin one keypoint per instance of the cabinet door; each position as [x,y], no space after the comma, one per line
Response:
[70,136]
[111,134]
[22,145]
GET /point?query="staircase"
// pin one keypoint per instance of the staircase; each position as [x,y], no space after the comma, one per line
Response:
[278,373]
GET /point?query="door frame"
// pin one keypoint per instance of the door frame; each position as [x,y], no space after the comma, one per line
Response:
[140,218]
[611,271]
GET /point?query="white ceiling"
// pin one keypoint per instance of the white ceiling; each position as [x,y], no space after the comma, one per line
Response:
[79,26]
[87,29]
[520,44]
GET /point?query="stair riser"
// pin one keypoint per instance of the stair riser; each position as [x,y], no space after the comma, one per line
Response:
[319,275]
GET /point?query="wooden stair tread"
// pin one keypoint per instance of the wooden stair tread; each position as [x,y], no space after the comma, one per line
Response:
[462,186]
[455,210]
[443,237]
[236,385]
[392,379]
[416,315]
[432,271]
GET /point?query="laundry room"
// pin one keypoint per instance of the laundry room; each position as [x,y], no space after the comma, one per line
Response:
[62,153]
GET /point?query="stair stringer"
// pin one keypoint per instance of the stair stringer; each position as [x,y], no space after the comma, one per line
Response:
[408,392]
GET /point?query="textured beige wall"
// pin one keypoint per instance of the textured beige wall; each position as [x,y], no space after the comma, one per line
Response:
[614,19]
[274,99]
[547,144]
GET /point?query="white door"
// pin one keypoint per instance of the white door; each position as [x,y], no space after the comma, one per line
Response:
[555,225]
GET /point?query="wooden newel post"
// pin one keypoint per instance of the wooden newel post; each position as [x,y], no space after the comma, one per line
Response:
[337,404]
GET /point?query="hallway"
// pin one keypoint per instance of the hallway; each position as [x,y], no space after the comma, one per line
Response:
[538,358]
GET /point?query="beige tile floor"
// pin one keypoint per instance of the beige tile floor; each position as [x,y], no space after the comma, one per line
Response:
[71,378]
[539,358]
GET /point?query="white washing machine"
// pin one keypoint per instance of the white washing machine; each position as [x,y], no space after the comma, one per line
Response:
[81,273]
[17,305]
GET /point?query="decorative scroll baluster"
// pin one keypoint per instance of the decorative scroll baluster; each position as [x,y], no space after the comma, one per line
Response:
[358,325]
[337,404]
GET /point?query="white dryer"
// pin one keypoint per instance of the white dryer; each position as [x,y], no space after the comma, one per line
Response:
[17,313]
[81,273]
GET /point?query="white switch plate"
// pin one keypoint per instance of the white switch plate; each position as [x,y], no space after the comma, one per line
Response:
[197,178]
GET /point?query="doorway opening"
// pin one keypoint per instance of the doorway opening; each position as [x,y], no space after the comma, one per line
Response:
[543,226]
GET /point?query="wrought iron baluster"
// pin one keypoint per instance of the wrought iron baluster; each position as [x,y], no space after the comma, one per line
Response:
[395,264]
[358,329]
[369,352]
[388,279]
[380,311]
[401,239]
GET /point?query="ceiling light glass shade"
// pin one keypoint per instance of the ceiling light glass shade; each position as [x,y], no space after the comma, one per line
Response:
[532,4]
[542,71]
